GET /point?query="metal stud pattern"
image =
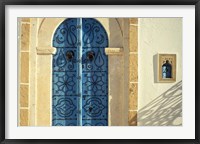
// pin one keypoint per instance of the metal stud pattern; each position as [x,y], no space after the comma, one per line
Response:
[80,74]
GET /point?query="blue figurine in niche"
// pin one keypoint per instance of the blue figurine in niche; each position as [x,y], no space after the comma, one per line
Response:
[167,70]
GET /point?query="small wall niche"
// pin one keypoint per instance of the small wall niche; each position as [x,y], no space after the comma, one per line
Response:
[166,68]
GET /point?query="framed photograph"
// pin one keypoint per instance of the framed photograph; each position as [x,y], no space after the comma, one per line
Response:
[116,71]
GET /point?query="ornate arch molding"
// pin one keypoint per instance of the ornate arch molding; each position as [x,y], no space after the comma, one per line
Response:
[48,26]
[45,35]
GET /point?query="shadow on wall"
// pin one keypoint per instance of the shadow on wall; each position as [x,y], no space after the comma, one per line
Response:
[165,110]
[115,74]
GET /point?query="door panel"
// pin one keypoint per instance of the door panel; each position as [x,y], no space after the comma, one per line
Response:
[65,82]
[66,34]
[80,99]
[94,73]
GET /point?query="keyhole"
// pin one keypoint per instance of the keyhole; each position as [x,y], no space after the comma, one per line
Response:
[69,55]
[90,55]
[90,109]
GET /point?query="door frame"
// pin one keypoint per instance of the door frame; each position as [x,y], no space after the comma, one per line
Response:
[43,105]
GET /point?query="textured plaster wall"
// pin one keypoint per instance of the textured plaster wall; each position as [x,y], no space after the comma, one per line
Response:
[159,103]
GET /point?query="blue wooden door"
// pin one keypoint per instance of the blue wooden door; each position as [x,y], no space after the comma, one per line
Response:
[80,74]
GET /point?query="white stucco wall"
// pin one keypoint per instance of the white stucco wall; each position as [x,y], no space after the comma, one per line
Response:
[159,103]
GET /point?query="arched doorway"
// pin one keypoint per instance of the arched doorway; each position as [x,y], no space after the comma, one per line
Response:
[80,74]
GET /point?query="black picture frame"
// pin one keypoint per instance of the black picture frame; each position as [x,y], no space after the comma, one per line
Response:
[4,3]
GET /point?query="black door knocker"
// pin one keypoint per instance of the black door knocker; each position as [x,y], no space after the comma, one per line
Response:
[69,55]
[90,55]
